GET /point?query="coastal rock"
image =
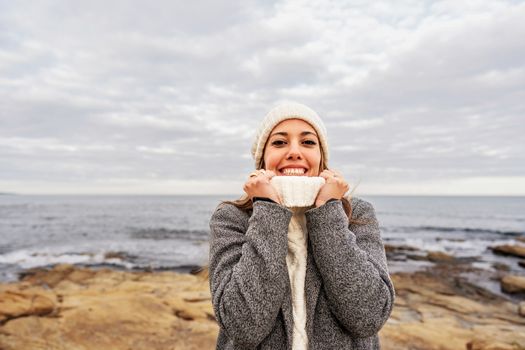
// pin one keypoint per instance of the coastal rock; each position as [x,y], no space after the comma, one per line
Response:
[398,252]
[508,249]
[107,309]
[16,303]
[440,257]
[513,284]
[489,345]
[437,310]
[417,257]
[390,248]
[434,256]
[500,266]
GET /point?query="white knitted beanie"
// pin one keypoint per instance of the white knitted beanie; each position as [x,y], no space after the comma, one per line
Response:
[284,111]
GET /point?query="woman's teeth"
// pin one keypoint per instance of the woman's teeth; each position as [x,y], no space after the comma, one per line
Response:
[293,171]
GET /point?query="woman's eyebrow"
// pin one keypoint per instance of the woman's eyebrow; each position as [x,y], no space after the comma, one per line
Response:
[283,133]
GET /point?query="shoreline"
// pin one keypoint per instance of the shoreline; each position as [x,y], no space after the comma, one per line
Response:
[71,307]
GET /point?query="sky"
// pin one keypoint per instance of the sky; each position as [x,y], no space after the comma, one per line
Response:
[164,97]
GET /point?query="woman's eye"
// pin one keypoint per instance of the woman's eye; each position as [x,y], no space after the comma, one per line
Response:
[278,143]
[310,142]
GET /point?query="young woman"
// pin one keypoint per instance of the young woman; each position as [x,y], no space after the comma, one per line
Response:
[297,277]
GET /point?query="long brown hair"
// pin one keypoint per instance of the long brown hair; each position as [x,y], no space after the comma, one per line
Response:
[245,203]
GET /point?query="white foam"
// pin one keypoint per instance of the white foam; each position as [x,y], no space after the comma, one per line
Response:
[27,259]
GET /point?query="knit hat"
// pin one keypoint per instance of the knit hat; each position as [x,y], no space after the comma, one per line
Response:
[284,111]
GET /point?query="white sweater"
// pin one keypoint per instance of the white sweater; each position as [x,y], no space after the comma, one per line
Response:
[296,262]
[298,193]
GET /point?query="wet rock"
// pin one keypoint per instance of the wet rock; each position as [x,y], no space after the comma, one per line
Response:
[435,310]
[513,284]
[500,266]
[521,309]
[489,345]
[398,252]
[389,248]
[508,249]
[440,257]
[115,255]
[417,257]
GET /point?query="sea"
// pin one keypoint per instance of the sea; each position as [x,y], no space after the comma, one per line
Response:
[171,232]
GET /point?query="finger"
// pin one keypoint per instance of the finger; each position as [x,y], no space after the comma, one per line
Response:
[325,175]
[269,174]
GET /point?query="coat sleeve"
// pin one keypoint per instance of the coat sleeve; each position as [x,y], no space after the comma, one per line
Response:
[352,263]
[248,274]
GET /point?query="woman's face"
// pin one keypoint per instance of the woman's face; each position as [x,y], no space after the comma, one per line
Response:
[293,149]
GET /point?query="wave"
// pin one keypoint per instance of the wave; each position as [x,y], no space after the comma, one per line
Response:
[463,216]
[164,233]
[29,259]
[469,230]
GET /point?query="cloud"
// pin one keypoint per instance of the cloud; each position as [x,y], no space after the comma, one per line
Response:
[426,91]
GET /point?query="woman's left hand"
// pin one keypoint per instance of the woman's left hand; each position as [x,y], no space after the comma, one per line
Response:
[335,187]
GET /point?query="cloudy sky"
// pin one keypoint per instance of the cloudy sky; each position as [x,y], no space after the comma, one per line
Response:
[163,97]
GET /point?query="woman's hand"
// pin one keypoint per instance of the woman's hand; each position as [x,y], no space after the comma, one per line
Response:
[258,185]
[335,187]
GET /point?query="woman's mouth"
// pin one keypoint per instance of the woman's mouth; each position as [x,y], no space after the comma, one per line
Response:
[293,171]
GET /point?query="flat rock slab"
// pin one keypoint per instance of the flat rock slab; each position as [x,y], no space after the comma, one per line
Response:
[509,249]
[70,308]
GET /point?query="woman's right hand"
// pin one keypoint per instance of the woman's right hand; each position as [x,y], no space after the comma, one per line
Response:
[258,185]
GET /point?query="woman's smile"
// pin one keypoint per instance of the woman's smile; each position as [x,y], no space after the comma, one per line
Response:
[293,171]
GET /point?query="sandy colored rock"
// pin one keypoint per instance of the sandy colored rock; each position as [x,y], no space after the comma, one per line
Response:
[440,257]
[488,345]
[443,312]
[521,309]
[15,304]
[106,309]
[508,249]
[513,284]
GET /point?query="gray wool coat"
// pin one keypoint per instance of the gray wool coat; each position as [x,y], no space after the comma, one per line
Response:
[349,294]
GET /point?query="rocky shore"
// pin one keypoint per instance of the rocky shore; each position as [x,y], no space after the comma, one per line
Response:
[74,308]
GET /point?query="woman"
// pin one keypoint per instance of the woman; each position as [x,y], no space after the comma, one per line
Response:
[310,277]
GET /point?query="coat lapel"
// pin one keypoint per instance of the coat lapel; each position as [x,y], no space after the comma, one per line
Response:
[312,287]
[288,313]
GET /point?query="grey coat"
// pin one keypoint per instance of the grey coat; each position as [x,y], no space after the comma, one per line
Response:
[349,294]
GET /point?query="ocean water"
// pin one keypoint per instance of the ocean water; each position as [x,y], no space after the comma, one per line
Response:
[171,232]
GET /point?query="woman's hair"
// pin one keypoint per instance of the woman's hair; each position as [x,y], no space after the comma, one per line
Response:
[245,203]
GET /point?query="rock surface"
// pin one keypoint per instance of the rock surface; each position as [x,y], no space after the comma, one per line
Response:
[508,249]
[74,308]
[79,309]
[513,284]
[438,310]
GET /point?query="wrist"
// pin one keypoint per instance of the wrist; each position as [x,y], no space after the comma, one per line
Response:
[264,199]
[322,202]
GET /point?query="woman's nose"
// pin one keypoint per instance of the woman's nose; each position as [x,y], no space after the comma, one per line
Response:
[294,152]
